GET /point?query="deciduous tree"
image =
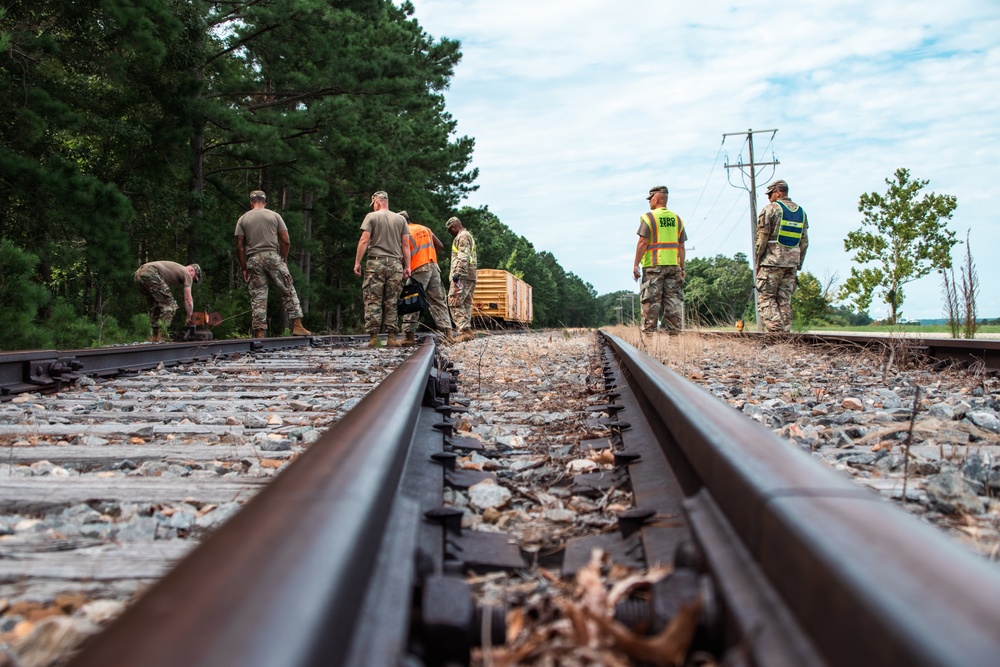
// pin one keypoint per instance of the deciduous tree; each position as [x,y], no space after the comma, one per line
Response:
[902,238]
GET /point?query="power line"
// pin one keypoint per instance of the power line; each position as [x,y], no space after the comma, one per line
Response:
[731,230]
[723,220]
[708,179]
[706,216]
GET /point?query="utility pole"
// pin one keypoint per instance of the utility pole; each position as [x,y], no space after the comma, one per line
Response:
[753,200]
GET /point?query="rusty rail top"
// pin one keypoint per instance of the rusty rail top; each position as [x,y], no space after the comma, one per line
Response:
[868,583]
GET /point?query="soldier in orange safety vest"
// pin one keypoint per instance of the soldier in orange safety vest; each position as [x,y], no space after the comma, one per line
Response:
[424,245]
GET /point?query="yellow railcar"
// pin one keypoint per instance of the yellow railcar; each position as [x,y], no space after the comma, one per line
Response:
[501,299]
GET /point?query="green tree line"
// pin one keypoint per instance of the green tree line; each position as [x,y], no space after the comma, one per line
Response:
[133,130]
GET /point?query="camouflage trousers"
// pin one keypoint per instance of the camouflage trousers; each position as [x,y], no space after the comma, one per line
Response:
[380,290]
[662,298]
[460,304]
[162,305]
[429,275]
[266,266]
[775,286]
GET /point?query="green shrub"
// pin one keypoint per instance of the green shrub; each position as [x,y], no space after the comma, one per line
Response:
[70,330]
[20,300]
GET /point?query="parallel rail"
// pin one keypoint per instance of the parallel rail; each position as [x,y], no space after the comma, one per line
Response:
[327,564]
[962,352]
[47,370]
[863,582]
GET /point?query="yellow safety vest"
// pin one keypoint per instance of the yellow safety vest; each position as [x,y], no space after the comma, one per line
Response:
[473,259]
[664,233]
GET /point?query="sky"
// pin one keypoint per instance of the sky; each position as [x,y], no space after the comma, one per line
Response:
[579,108]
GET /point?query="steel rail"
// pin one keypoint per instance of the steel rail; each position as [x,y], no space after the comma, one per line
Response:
[284,580]
[866,582]
[965,352]
[47,370]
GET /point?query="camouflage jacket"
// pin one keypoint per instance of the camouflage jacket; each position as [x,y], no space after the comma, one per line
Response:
[464,260]
[767,250]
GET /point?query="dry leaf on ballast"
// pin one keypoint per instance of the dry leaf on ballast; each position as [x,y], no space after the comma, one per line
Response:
[669,647]
[603,456]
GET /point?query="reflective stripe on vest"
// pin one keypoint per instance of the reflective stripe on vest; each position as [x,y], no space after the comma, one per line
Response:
[664,232]
[473,259]
[421,246]
[792,222]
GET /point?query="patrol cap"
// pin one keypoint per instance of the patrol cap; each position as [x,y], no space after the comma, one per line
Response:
[198,275]
[405,215]
[451,221]
[658,188]
[381,194]
[779,184]
[258,194]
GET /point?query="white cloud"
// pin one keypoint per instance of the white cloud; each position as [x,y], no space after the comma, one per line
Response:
[578,108]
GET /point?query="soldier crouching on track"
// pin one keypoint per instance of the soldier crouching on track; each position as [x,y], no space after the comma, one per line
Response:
[660,252]
[154,280]
[780,244]
[258,235]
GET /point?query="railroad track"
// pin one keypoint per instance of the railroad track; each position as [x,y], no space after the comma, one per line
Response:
[981,354]
[352,557]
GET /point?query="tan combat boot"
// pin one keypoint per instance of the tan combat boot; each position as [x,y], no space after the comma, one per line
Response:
[259,333]
[447,338]
[298,329]
[465,336]
[392,340]
[373,340]
[156,337]
[411,338]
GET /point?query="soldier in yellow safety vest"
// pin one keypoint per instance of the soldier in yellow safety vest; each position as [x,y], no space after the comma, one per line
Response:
[660,253]
[780,243]
[463,273]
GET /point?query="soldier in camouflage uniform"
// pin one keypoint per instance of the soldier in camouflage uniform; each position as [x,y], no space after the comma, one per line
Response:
[780,244]
[386,238]
[154,280]
[262,247]
[660,253]
[463,274]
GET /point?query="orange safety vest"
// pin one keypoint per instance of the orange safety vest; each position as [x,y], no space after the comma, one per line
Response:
[421,246]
